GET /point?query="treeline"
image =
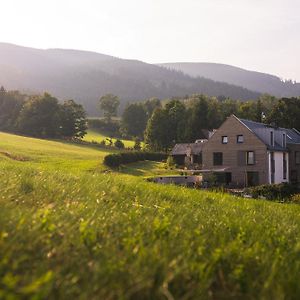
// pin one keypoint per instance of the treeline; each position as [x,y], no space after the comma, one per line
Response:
[185,120]
[133,121]
[41,116]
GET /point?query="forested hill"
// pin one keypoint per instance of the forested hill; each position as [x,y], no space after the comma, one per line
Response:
[86,76]
[261,82]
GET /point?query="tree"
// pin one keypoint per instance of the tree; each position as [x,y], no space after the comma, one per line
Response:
[286,113]
[11,104]
[134,120]
[40,116]
[109,104]
[73,121]
[150,106]
[156,133]
[197,119]
[176,113]
[137,144]
[166,126]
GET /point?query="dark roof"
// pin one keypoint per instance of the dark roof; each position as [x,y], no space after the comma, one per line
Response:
[182,149]
[292,135]
[254,125]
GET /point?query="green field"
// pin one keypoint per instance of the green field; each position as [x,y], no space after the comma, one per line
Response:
[71,229]
[97,136]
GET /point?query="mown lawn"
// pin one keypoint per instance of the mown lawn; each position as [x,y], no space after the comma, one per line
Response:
[68,233]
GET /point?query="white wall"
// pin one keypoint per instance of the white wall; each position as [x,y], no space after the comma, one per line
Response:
[278,157]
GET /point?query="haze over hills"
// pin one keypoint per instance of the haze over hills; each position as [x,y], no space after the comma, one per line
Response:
[86,76]
[261,82]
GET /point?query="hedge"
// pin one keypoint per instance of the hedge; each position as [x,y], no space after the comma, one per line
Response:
[115,160]
[282,191]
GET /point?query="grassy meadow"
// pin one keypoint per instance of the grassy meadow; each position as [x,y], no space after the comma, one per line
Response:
[98,136]
[71,229]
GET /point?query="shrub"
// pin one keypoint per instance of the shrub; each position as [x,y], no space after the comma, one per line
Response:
[295,199]
[119,144]
[137,144]
[115,160]
[170,162]
[282,191]
[109,141]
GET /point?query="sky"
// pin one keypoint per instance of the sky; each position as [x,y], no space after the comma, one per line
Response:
[260,35]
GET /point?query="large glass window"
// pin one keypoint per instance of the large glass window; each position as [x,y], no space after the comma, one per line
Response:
[250,157]
[218,158]
[272,158]
[284,166]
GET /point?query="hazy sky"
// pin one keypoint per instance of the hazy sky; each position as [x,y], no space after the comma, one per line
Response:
[262,35]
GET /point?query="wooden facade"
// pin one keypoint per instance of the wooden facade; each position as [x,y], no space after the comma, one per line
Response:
[245,153]
[235,141]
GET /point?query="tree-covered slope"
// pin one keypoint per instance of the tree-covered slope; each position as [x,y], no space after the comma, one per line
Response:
[86,76]
[257,81]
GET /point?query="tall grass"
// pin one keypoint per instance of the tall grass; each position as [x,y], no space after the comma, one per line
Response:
[68,234]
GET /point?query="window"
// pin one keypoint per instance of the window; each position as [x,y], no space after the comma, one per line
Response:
[225,139]
[198,158]
[284,140]
[297,157]
[218,158]
[284,166]
[272,162]
[272,138]
[250,157]
[240,139]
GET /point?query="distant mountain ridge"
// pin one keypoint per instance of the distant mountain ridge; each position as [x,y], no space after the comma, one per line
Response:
[257,81]
[86,76]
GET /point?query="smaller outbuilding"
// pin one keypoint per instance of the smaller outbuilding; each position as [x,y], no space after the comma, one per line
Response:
[189,155]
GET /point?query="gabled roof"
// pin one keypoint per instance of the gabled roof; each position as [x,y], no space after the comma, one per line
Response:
[182,149]
[292,135]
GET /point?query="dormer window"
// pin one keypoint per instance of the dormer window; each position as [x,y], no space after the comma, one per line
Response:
[272,138]
[225,139]
[284,140]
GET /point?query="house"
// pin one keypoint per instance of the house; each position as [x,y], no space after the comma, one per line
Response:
[251,153]
[189,155]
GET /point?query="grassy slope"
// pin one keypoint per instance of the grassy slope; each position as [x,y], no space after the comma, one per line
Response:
[79,232]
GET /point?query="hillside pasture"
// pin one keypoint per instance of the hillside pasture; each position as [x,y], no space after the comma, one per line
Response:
[52,155]
[98,136]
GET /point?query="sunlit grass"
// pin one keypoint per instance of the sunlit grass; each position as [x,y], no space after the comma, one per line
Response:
[54,155]
[68,231]
[97,136]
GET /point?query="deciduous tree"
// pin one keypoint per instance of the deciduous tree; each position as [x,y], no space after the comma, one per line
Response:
[109,104]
